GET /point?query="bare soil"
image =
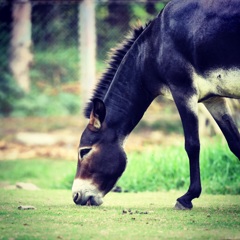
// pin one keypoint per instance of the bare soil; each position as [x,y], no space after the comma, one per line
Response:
[58,137]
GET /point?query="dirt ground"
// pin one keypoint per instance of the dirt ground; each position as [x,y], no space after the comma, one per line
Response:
[58,137]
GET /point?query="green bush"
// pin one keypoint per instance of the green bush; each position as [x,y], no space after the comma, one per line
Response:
[14,103]
[56,67]
[40,104]
[50,69]
[10,94]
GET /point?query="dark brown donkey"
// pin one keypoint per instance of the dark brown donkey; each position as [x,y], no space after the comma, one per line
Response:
[190,51]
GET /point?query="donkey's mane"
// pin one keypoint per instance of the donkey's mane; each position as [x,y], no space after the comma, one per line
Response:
[116,57]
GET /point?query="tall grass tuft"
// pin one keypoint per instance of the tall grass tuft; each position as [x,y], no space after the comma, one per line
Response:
[220,169]
[167,168]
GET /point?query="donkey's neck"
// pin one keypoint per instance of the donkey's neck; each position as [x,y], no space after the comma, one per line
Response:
[127,98]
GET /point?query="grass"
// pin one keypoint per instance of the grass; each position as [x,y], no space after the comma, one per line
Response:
[149,216]
[41,172]
[166,168]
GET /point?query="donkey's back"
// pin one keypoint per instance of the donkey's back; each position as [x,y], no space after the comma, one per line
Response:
[207,32]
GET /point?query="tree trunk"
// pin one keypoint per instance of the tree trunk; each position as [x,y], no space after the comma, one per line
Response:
[21,56]
[87,30]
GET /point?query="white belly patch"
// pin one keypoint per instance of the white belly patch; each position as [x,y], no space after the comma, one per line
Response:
[219,82]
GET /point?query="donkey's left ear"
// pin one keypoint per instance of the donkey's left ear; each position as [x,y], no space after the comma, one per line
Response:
[97,115]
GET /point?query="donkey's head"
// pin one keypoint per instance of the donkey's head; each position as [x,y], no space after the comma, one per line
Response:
[101,159]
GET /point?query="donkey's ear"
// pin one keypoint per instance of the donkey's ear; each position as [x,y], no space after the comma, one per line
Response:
[97,115]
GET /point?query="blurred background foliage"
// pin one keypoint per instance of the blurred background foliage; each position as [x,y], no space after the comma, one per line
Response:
[54,72]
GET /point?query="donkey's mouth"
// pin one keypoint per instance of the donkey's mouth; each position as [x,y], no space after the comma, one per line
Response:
[80,199]
[93,201]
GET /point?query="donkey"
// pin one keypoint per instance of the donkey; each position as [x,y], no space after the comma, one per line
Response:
[191,52]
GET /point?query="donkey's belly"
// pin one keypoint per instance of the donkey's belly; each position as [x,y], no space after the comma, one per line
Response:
[219,82]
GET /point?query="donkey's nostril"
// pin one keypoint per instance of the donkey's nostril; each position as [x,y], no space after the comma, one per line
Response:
[76,197]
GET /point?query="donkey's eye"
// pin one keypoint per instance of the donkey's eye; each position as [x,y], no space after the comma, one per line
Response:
[83,152]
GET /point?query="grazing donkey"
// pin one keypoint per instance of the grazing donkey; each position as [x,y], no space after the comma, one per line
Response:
[191,52]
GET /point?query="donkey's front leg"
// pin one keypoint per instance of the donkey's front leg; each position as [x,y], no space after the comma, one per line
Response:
[188,108]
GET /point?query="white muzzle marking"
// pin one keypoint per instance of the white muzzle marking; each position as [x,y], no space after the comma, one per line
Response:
[85,190]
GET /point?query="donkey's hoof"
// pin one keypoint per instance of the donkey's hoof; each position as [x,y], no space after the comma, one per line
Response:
[179,206]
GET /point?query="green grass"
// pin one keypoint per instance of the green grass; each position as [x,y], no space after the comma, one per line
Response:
[159,168]
[47,174]
[149,216]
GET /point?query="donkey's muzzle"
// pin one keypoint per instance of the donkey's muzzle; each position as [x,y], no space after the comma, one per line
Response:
[84,199]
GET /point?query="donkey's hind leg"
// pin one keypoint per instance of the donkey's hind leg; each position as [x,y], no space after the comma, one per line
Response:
[221,113]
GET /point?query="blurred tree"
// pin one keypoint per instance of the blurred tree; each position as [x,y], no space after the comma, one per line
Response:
[116,17]
[87,30]
[118,12]
[21,56]
[5,30]
[113,18]
[150,7]
[59,22]
[154,6]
